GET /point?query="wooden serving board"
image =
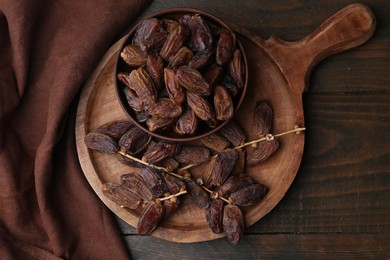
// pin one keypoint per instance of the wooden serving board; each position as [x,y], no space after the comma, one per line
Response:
[278,72]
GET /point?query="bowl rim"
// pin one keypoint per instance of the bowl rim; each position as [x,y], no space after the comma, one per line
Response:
[119,95]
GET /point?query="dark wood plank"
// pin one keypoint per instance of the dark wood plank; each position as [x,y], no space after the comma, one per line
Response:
[364,246]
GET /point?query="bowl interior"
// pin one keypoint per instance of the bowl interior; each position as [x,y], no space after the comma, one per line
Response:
[120,66]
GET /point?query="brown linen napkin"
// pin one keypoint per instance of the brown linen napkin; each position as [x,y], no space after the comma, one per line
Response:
[47,50]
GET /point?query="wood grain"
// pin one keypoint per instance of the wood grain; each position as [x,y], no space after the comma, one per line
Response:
[334,246]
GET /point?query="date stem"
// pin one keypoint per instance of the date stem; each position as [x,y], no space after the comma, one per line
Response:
[149,164]
[173,195]
[213,192]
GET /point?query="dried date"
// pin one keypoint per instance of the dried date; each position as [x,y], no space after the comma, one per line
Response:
[234,183]
[133,100]
[262,118]
[174,42]
[146,29]
[151,216]
[201,107]
[215,142]
[143,86]
[137,185]
[201,59]
[213,74]
[164,108]
[198,195]
[223,103]
[154,180]
[133,56]
[187,123]
[115,129]
[101,142]
[121,195]
[214,216]
[134,141]
[261,152]
[155,69]
[201,38]
[175,91]
[233,132]
[248,195]
[237,69]
[233,223]
[192,155]
[225,47]
[223,166]
[193,81]
[160,151]
[155,123]
[181,58]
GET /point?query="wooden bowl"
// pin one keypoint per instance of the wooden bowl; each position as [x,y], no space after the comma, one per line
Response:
[120,66]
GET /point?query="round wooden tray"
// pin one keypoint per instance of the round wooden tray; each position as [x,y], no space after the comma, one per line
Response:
[277,72]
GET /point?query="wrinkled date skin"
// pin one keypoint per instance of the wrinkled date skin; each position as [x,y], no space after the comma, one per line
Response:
[115,129]
[234,183]
[133,55]
[187,123]
[262,152]
[174,42]
[150,218]
[174,185]
[237,69]
[181,58]
[201,59]
[223,103]
[175,91]
[226,46]
[249,195]
[155,69]
[262,118]
[198,195]
[160,151]
[193,155]
[201,38]
[134,141]
[201,107]
[146,29]
[233,132]
[233,223]
[214,216]
[193,81]
[101,142]
[132,98]
[142,84]
[137,185]
[155,123]
[121,195]
[215,142]
[164,108]
[213,74]
[154,181]
[222,167]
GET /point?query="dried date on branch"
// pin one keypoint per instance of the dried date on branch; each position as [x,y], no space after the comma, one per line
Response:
[215,142]
[155,69]
[115,129]
[214,216]
[133,56]
[101,142]
[224,164]
[240,168]
[160,151]
[233,132]
[249,195]
[150,218]
[134,141]
[237,69]
[175,91]
[174,42]
[262,118]
[193,81]
[233,223]
[154,181]
[192,155]
[198,195]
[171,206]
[187,123]
[121,195]
[137,185]
[174,185]
[234,183]
[169,163]
[225,47]
[261,152]
[223,103]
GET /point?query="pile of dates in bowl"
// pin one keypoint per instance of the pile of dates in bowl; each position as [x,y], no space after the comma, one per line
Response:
[181,75]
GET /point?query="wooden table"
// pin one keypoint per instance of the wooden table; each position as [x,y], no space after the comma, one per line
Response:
[339,204]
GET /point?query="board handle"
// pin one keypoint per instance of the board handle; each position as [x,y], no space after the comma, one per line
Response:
[348,28]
